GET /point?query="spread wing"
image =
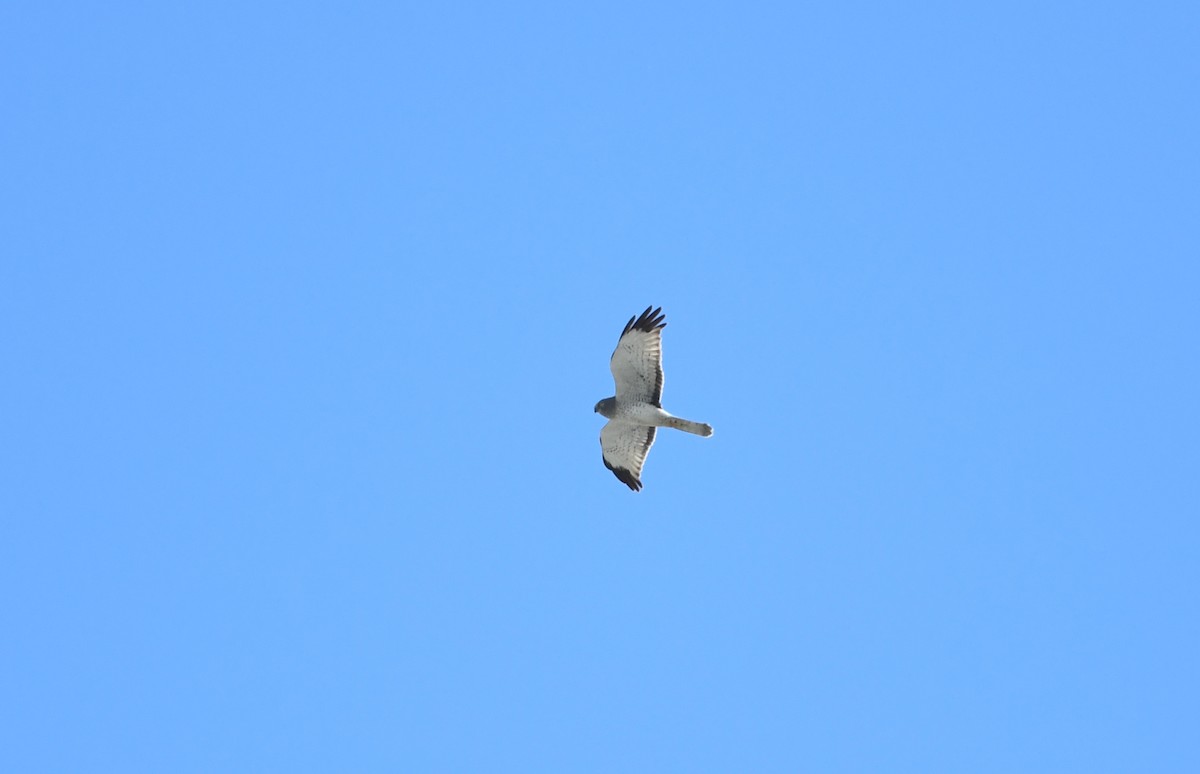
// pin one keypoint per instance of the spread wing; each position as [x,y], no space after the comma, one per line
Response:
[637,361]
[625,447]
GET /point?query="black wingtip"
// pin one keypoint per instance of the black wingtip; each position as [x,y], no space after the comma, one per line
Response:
[628,480]
[648,321]
[624,476]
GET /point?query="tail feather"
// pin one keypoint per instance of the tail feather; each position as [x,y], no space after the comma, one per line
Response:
[688,426]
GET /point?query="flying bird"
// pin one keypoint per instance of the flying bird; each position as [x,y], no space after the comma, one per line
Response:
[635,413]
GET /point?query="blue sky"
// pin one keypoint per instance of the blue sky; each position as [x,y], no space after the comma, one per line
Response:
[304,309]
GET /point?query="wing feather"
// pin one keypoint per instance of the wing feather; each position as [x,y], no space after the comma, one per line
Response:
[625,447]
[637,361]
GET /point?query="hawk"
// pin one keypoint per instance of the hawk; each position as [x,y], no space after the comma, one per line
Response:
[635,413]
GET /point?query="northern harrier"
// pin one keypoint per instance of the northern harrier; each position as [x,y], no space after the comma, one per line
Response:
[635,412]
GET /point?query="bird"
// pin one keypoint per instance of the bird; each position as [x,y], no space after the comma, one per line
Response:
[635,413]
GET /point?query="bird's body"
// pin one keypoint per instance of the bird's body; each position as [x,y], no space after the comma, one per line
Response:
[650,416]
[636,412]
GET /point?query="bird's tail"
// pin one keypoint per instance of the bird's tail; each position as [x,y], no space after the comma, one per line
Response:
[687,426]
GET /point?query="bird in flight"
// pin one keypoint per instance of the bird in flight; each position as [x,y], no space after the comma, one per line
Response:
[635,412]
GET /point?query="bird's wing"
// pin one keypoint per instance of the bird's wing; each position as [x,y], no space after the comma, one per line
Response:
[637,361]
[625,447]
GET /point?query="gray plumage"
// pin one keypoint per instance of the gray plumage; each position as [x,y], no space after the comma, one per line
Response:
[636,410]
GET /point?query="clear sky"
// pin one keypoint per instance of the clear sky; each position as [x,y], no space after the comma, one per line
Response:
[304,308]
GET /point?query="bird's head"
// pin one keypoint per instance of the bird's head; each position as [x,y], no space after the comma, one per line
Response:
[605,407]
